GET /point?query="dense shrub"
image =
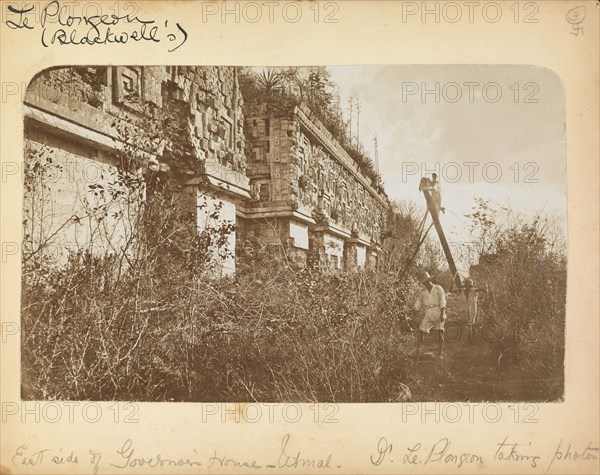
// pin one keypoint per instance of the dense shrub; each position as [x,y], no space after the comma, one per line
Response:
[524,265]
[276,334]
[149,320]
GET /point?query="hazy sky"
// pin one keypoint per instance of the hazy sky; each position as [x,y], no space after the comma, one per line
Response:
[491,131]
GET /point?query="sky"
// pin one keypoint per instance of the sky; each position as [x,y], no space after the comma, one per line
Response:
[493,132]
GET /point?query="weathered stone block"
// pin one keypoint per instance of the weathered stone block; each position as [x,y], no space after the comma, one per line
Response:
[221,131]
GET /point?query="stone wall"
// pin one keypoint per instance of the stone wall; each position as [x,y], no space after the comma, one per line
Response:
[302,174]
[280,174]
[63,211]
[82,117]
[99,98]
[217,118]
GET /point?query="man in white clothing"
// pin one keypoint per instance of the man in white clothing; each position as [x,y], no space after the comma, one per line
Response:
[434,187]
[432,302]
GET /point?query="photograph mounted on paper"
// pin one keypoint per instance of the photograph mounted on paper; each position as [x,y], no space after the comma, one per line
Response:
[294,234]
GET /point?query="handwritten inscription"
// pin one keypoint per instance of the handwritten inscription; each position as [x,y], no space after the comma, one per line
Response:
[566,452]
[419,454]
[291,459]
[44,456]
[575,17]
[128,457]
[442,452]
[515,452]
[60,27]
[225,461]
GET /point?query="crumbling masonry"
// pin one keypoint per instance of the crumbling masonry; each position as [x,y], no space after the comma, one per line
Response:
[277,173]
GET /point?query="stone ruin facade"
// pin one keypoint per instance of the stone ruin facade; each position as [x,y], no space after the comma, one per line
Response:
[310,190]
[279,176]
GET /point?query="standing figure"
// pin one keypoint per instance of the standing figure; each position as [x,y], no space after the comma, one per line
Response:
[436,193]
[433,186]
[472,295]
[432,303]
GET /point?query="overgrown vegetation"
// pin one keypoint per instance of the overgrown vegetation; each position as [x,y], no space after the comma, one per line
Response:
[524,263]
[159,327]
[276,336]
[162,328]
[313,87]
[145,319]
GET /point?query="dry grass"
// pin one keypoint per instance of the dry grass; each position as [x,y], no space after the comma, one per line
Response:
[275,334]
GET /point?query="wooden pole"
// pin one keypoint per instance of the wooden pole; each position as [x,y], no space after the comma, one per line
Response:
[412,258]
[442,236]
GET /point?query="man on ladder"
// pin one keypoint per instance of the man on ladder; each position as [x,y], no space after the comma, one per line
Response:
[434,187]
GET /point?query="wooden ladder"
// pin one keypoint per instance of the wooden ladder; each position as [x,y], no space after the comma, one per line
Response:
[438,227]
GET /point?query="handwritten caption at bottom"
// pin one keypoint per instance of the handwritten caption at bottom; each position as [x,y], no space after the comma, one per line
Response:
[385,455]
[506,452]
[128,456]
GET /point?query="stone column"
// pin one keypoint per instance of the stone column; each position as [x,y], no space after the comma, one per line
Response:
[350,257]
[316,249]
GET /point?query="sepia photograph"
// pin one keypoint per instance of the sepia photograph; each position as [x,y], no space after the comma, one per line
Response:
[326,236]
[342,234]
